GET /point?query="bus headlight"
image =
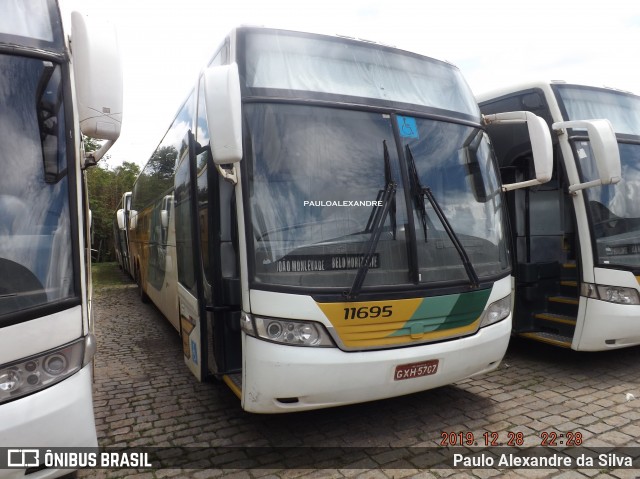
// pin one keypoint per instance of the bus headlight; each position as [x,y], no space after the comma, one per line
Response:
[496,311]
[9,381]
[41,371]
[612,294]
[286,331]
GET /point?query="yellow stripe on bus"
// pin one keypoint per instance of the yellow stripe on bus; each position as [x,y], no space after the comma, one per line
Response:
[364,340]
[234,388]
[382,323]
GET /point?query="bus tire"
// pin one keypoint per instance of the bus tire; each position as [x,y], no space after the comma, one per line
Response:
[143,296]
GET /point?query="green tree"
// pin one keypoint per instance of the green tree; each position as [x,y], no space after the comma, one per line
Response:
[90,144]
[106,186]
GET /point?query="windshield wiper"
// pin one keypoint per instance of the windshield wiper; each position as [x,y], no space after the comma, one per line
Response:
[375,224]
[416,190]
[419,192]
[387,179]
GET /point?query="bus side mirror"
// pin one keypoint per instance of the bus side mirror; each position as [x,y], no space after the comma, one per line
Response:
[167,201]
[604,145]
[541,147]
[120,219]
[98,78]
[222,99]
[133,220]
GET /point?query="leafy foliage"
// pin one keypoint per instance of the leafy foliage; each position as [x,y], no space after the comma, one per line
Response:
[106,187]
[157,176]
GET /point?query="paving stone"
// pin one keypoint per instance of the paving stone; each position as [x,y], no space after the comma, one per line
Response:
[145,396]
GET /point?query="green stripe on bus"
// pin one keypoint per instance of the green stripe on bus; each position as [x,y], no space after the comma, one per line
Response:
[440,313]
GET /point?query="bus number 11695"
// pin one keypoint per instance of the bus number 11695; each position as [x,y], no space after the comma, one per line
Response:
[365,312]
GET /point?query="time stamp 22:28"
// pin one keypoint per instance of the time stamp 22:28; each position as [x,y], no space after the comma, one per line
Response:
[512,439]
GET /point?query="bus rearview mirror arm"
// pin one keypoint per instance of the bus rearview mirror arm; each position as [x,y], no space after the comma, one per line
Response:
[224,117]
[91,158]
[604,145]
[540,144]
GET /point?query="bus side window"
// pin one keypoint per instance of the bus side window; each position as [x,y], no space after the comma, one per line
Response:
[227,230]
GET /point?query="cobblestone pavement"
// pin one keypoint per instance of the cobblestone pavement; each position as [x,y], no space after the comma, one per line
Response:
[145,396]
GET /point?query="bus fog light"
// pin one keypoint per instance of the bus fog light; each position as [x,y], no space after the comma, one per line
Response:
[496,311]
[294,333]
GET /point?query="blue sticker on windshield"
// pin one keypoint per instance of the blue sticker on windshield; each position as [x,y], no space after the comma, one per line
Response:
[408,127]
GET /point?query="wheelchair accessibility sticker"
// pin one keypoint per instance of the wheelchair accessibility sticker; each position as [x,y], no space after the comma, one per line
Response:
[408,127]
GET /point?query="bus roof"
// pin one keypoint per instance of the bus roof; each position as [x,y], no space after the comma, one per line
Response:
[538,84]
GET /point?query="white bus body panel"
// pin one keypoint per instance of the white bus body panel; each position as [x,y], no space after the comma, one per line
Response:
[166,298]
[39,335]
[59,416]
[619,324]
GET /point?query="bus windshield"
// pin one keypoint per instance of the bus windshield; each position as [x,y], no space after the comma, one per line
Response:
[317,180]
[288,61]
[614,209]
[35,23]
[35,226]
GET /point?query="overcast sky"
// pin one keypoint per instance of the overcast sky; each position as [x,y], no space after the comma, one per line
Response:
[165,44]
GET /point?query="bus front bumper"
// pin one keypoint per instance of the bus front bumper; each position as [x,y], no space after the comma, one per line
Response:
[279,378]
[609,326]
[58,416]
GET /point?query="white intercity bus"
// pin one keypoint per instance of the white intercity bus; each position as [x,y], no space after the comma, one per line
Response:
[50,96]
[323,223]
[576,239]
[121,232]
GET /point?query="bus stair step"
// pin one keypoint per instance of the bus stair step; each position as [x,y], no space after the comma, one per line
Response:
[561,323]
[234,381]
[548,338]
[563,300]
[569,271]
[568,288]
[563,305]
[556,318]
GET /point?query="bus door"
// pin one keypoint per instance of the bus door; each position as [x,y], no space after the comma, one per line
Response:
[189,259]
[542,227]
[208,284]
[546,282]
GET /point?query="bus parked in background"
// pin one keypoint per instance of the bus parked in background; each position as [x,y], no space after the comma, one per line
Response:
[49,97]
[576,239]
[121,233]
[323,223]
